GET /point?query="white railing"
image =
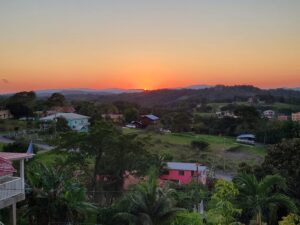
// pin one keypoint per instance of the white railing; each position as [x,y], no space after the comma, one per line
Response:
[10,186]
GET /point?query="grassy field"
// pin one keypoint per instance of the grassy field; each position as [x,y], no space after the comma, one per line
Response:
[1,146]
[9,125]
[222,153]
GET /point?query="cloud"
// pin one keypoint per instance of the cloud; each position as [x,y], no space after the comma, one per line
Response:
[5,81]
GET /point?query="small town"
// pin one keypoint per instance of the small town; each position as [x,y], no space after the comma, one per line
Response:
[149,112]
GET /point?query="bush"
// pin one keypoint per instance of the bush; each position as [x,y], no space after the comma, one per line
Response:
[200,145]
[187,218]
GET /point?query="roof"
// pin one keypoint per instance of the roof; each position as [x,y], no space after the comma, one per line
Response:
[185,166]
[246,136]
[151,117]
[67,116]
[15,156]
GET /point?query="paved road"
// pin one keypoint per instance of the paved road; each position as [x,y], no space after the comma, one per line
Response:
[44,147]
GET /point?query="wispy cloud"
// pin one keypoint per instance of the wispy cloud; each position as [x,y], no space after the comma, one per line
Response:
[5,81]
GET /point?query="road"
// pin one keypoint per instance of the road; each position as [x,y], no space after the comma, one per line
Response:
[44,147]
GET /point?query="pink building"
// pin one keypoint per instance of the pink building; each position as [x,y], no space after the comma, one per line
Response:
[296,116]
[184,173]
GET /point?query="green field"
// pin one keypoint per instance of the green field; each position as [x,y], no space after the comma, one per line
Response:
[222,153]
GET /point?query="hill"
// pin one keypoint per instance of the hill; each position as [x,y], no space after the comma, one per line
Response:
[176,96]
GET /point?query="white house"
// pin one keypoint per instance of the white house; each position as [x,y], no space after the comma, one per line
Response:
[270,114]
[75,121]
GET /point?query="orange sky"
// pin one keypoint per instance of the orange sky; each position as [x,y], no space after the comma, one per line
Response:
[148,44]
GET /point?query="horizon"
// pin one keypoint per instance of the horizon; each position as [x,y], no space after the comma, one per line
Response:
[148,45]
[141,89]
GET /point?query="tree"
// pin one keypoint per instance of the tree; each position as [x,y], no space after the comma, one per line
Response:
[112,153]
[55,196]
[56,99]
[284,159]
[291,219]
[131,114]
[62,125]
[21,104]
[19,146]
[258,197]
[149,204]
[181,122]
[223,210]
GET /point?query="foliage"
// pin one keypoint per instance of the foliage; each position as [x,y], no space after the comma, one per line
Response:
[187,218]
[200,145]
[291,219]
[55,196]
[223,210]
[181,122]
[56,99]
[21,104]
[131,114]
[19,146]
[284,158]
[190,195]
[62,125]
[258,197]
[149,204]
[112,154]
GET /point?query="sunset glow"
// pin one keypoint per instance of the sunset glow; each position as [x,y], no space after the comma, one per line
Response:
[148,44]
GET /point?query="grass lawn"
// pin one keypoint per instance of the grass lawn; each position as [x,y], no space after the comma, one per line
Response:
[221,151]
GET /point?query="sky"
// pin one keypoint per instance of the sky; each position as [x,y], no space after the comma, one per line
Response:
[148,44]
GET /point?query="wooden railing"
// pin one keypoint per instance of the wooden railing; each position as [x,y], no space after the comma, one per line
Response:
[10,186]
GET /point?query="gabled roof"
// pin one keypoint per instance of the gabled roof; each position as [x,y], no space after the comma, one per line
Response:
[11,156]
[185,166]
[67,116]
[151,117]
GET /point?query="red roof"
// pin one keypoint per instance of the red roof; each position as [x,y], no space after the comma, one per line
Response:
[11,156]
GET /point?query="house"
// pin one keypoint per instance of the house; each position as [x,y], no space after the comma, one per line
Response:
[147,120]
[270,114]
[184,173]
[116,118]
[5,114]
[222,114]
[75,121]
[60,109]
[296,117]
[12,186]
[282,117]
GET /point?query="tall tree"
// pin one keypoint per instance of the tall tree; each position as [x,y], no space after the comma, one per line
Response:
[21,104]
[284,158]
[112,153]
[56,99]
[258,197]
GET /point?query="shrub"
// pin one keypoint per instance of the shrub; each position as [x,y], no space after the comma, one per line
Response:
[200,145]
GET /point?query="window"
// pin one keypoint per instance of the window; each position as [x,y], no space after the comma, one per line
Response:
[181,173]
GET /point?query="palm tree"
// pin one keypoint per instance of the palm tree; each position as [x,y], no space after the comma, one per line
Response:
[54,196]
[149,204]
[257,196]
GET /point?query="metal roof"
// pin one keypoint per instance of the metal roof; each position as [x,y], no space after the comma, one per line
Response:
[15,156]
[185,166]
[67,116]
[151,117]
[246,136]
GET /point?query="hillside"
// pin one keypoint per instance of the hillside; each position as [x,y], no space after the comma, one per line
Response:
[174,96]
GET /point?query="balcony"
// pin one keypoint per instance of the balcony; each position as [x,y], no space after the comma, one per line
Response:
[10,187]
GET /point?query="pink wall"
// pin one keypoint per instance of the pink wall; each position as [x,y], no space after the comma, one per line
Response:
[174,176]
